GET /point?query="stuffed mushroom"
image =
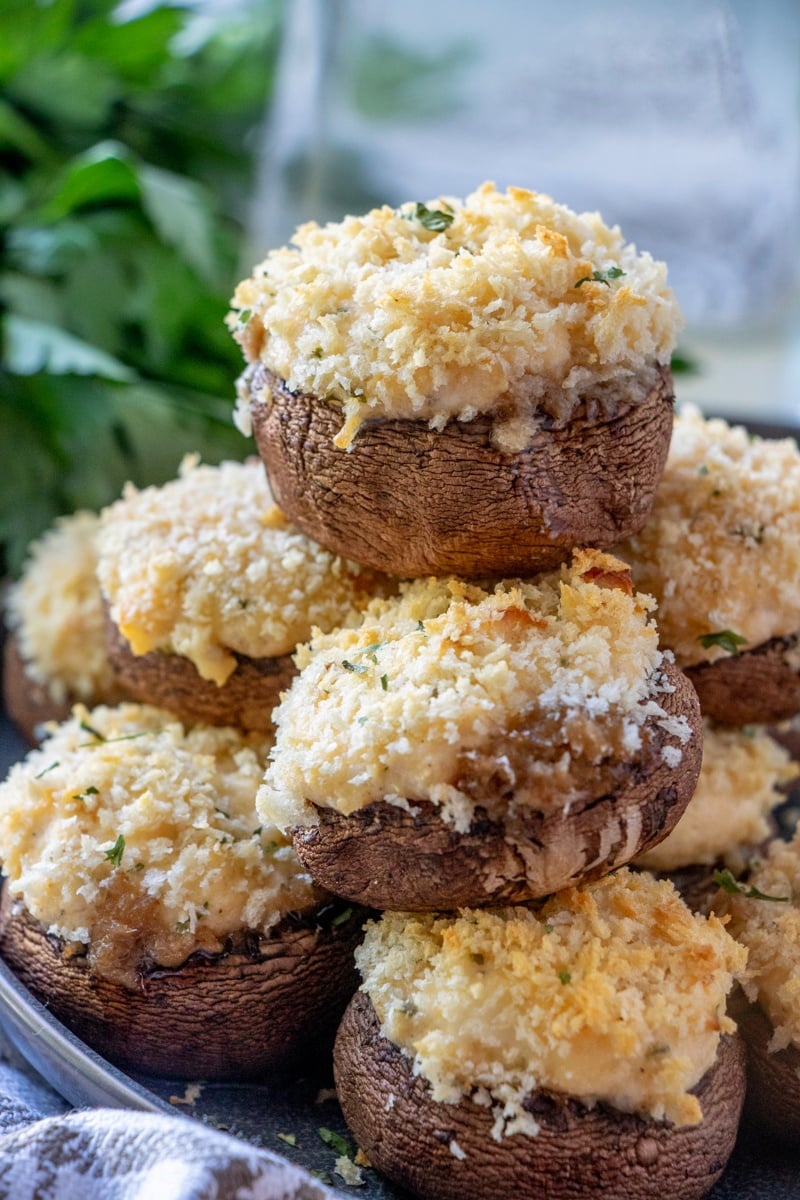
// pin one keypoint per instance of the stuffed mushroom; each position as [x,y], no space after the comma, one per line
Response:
[466,387]
[152,911]
[471,745]
[576,1048]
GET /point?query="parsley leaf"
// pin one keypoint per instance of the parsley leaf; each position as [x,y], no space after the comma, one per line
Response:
[354,668]
[565,976]
[726,881]
[434,219]
[52,767]
[725,638]
[335,1141]
[114,855]
[343,916]
[602,276]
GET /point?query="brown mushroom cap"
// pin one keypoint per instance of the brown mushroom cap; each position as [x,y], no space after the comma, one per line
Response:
[28,703]
[224,1016]
[773,1079]
[579,1152]
[413,501]
[386,857]
[756,686]
[171,681]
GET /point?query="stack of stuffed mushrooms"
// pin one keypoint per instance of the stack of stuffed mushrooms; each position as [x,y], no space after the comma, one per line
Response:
[441,643]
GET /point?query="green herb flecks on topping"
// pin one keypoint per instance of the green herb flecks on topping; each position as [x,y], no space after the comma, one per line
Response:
[317,352]
[100,738]
[602,276]
[343,916]
[354,668]
[244,316]
[289,1138]
[257,832]
[385,682]
[702,470]
[549,928]
[726,881]
[114,855]
[726,639]
[52,767]
[335,1141]
[565,976]
[270,847]
[434,219]
[90,791]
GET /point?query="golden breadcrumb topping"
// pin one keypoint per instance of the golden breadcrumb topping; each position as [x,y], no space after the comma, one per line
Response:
[55,611]
[738,788]
[505,303]
[403,707]
[125,824]
[721,550]
[208,564]
[610,992]
[770,929]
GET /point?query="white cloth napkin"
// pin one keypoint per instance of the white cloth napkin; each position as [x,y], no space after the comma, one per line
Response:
[48,1152]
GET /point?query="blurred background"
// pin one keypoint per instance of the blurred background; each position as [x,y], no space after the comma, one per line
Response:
[151,153]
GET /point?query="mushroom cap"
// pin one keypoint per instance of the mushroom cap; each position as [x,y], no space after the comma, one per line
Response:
[578,1152]
[773,1078]
[172,681]
[29,703]
[387,857]
[412,501]
[756,686]
[222,1016]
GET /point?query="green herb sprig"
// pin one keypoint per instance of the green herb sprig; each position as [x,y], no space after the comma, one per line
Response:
[114,855]
[726,639]
[437,220]
[726,881]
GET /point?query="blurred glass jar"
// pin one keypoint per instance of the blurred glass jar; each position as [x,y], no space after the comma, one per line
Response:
[678,121]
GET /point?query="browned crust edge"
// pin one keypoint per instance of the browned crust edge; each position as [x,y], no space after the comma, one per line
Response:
[579,1152]
[386,857]
[756,686]
[171,681]
[471,509]
[234,1015]
[773,1079]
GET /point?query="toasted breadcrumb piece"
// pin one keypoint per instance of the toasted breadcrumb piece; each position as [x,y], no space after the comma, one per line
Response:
[514,305]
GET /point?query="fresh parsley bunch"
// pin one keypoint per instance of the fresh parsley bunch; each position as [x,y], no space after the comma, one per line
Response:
[126,153]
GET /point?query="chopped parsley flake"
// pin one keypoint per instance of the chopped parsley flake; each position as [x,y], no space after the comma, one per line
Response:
[602,276]
[335,1141]
[257,832]
[549,928]
[245,315]
[52,767]
[90,791]
[289,1138]
[434,219]
[317,352]
[354,667]
[726,881]
[725,638]
[363,720]
[343,916]
[114,855]
[270,847]
[565,976]
[385,682]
